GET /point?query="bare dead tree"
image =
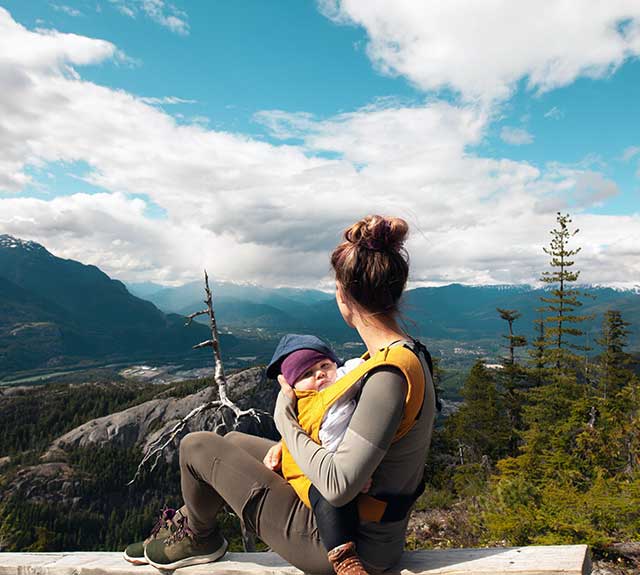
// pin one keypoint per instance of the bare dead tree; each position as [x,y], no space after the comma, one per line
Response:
[157,447]
[214,343]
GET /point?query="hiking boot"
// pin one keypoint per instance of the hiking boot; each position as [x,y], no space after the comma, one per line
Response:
[166,524]
[345,560]
[184,548]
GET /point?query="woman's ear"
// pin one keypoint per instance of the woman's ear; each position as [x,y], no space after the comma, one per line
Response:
[344,305]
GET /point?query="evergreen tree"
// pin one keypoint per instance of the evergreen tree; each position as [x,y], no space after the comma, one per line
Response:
[515,341]
[617,389]
[513,377]
[613,363]
[480,427]
[537,354]
[562,324]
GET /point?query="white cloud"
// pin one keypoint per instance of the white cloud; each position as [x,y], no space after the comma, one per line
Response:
[482,49]
[123,8]
[44,51]
[161,12]
[554,113]
[374,134]
[574,189]
[66,9]
[166,15]
[630,153]
[249,210]
[515,136]
[592,188]
[166,100]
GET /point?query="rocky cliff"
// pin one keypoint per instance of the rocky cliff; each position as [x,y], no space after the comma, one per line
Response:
[140,425]
[56,480]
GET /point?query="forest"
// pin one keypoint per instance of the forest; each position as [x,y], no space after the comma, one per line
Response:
[543,449]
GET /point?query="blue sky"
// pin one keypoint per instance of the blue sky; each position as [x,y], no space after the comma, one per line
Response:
[238,58]
[153,138]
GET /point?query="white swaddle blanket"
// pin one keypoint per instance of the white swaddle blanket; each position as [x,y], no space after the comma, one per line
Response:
[336,420]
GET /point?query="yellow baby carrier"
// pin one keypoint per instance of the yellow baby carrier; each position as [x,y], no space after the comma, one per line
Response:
[312,406]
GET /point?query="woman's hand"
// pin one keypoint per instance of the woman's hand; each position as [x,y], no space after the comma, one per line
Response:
[284,414]
[286,389]
[273,458]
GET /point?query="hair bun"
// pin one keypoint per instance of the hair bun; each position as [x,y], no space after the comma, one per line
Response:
[378,233]
[371,263]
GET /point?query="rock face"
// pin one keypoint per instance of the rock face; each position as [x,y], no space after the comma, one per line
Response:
[140,425]
[54,482]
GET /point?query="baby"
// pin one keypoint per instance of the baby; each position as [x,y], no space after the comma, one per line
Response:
[307,363]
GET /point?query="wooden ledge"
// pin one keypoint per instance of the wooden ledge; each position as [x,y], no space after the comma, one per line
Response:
[535,560]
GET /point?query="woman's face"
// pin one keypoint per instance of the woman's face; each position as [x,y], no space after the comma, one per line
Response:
[343,305]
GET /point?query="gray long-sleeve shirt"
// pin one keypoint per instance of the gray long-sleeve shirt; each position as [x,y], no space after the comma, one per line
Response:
[367,452]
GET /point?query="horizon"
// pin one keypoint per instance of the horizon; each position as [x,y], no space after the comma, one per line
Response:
[411,285]
[156,139]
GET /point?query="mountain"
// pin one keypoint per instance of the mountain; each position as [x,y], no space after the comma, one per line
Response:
[143,289]
[456,313]
[189,296]
[57,312]
[245,305]
[468,313]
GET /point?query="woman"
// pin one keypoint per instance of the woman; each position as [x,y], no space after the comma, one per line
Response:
[371,268]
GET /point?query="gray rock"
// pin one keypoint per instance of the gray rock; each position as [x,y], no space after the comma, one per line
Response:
[45,483]
[140,425]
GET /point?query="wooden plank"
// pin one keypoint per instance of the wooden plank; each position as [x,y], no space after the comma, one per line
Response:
[534,560]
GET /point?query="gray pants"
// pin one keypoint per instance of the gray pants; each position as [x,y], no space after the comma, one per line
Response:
[215,470]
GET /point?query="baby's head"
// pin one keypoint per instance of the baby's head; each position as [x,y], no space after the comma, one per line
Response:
[307,369]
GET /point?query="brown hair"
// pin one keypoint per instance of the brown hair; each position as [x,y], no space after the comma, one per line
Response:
[371,263]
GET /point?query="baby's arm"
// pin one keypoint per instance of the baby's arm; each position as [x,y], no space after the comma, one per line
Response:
[348,366]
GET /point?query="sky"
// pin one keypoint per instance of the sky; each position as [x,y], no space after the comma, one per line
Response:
[154,138]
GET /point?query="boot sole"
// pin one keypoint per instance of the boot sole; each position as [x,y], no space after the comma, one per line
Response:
[195,560]
[135,560]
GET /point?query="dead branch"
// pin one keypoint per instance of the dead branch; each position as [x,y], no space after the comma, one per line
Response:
[158,445]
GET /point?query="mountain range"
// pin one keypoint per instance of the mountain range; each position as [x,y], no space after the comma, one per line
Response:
[56,313]
[456,312]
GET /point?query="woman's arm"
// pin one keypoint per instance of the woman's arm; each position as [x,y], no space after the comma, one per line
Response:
[340,476]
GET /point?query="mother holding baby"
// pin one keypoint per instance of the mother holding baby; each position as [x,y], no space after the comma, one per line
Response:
[375,472]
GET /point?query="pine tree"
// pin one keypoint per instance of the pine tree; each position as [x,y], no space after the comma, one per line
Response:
[537,354]
[613,365]
[616,388]
[515,341]
[561,325]
[480,427]
[513,377]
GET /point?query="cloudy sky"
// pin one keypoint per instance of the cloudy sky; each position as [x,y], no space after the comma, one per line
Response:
[155,138]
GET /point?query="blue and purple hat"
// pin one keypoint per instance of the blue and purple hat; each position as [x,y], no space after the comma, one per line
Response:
[286,356]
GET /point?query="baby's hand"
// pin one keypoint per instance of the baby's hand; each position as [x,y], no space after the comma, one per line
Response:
[273,458]
[367,486]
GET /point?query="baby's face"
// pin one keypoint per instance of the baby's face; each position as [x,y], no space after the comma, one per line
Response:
[318,376]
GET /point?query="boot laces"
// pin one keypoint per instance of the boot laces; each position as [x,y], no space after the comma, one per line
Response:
[181,531]
[165,520]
